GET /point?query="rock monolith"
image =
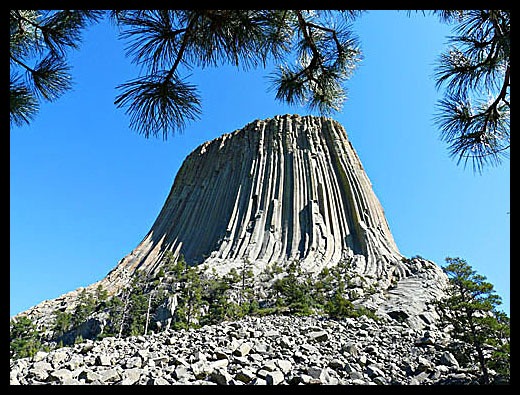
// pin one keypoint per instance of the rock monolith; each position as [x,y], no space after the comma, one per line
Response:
[280,189]
[288,188]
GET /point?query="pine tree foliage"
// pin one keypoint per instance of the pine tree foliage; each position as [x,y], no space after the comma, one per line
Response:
[315,51]
[470,310]
[293,290]
[85,307]
[25,338]
[164,41]
[326,57]
[39,41]
[168,43]
[129,310]
[474,116]
[216,297]
[63,322]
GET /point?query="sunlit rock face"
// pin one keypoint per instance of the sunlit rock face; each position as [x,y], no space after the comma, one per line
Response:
[280,189]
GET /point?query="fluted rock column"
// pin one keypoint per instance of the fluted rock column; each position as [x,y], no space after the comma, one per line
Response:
[279,189]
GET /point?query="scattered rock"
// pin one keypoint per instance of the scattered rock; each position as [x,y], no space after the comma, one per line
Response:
[448,359]
[131,376]
[158,381]
[242,350]
[274,378]
[134,362]
[220,376]
[109,376]
[318,336]
[103,360]
[323,351]
[244,375]
[60,375]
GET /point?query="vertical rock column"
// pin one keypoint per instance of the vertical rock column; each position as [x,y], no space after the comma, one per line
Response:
[279,189]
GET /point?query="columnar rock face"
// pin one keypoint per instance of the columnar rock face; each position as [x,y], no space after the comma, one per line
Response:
[280,189]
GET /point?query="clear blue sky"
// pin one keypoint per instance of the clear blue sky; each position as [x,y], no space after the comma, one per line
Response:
[85,189]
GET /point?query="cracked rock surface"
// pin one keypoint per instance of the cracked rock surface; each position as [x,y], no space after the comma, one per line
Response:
[279,189]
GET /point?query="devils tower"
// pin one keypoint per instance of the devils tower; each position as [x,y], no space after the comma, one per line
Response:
[276,202]
[279,189]
[290,188]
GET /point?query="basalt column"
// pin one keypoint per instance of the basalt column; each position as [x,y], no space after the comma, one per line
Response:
[277,190]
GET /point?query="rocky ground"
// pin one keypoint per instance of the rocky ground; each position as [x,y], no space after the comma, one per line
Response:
[256,350]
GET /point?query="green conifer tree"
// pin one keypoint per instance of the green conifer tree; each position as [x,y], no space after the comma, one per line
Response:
[474,116]
[25,338]
[215,295]
[85,307]
[39,42]
[294,290]
[63,322]
[470,308]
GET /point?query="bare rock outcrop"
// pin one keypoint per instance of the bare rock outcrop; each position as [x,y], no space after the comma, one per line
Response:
[277,190]
[281,189]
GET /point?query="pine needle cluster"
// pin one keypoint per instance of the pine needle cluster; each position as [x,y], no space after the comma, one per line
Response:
[167,43]
[474,115]
[315,52]
[38,45]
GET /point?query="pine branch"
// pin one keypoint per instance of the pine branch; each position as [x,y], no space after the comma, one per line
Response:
[155,37]
[23,106]
[44,35]
[158,102]
[50,77]
[318,81]
[185,40]
[478,133]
